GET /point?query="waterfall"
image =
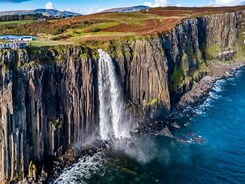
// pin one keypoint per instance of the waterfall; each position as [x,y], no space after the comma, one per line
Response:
[113,121]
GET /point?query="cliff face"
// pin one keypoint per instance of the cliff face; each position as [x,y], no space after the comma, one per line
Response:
[44,109]
[49,98]
[158,70]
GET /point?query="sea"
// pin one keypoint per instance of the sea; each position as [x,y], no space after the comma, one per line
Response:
[211,150]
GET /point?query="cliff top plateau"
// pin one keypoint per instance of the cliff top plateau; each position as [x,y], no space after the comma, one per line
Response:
[104,26]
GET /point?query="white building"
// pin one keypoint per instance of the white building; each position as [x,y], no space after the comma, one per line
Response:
[26,38]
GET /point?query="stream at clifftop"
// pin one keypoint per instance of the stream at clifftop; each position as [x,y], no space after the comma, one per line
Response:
[220,158]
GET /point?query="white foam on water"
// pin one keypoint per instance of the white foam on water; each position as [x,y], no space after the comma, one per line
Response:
[83,169]
[238,73]
[213,95]
[218,86]
[201,110]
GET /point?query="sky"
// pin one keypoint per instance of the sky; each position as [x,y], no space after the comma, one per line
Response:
[93,6]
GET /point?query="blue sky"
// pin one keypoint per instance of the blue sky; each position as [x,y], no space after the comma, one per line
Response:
[91,6]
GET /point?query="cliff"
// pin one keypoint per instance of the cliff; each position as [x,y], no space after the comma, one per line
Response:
[158,70]
[49,95]
[44,107]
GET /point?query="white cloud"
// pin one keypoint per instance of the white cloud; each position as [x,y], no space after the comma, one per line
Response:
[49,5]
[157,3]
[69,9]
[226,2]
[91,10]
[74,10]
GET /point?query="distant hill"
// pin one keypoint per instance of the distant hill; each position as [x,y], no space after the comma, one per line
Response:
[45,12]
[53,13]
[128,9]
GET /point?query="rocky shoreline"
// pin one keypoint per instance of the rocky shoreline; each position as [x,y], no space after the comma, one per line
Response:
[200,91]
[50,170]
[189,102]
[196,96]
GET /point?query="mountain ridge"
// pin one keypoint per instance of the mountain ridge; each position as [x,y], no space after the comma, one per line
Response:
[128,9]
[45,12]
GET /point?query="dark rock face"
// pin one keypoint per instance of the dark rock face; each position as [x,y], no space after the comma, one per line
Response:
[144,73]
[46,108]
[158,70]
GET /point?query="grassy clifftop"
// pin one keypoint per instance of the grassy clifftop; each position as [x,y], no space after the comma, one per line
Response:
[108,26]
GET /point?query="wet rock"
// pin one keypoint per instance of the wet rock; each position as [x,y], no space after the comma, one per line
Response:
[175,125]
[166,132]
[199,140]
[129,171]
[183,140]
[44,176]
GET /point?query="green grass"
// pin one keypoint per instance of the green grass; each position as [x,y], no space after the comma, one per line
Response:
[202,68]
[240,47]
[16,22]
[177,77]
[92,28]
[213,51]
[103,27]
[3,41]
[152,102]
[80,30]
[133,18]
[40,43]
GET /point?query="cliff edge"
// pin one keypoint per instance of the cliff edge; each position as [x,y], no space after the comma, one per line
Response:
[49,95]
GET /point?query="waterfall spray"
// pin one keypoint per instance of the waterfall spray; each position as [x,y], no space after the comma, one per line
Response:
[111,110]
[114,123]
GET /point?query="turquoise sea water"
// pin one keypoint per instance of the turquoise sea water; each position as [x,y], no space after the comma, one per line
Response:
[220,159]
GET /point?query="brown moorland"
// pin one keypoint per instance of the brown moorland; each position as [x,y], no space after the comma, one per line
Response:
[110,26]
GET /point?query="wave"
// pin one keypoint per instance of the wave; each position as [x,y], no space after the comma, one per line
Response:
[81,171]
[240,72]
[213,95]
[218,86]
[201,110]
